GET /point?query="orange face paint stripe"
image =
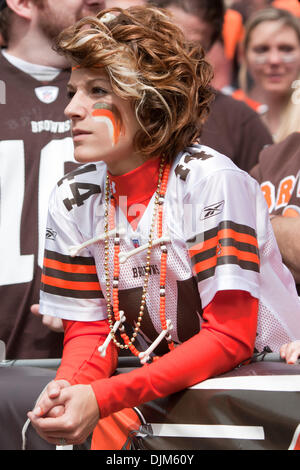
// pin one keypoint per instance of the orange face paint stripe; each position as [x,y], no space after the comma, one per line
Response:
[112,114]
[69,268]
[84,286]
[103,112]
[109,115]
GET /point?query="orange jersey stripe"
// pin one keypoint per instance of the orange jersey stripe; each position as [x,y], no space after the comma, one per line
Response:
[74,285]
[223,233]
[70,268]
[226,251]
[242,255]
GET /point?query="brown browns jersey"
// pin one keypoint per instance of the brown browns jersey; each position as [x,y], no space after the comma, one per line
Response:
[278,173]
[35,148]
[236,130]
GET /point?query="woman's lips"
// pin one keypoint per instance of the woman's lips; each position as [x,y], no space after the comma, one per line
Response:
[274,78]
[79,134]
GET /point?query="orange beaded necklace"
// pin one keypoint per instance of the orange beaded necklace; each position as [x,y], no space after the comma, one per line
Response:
[113,311]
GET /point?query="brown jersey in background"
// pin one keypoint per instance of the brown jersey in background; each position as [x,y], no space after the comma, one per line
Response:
[35,148]
[236,130]
[278,173]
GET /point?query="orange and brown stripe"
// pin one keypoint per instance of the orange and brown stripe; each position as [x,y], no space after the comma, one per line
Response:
[228,243]
[70,277]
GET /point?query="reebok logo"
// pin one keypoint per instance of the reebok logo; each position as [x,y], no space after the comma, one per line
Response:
[50,234]
[212,209]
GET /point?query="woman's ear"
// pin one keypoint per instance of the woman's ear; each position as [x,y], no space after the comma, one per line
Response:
[22,8]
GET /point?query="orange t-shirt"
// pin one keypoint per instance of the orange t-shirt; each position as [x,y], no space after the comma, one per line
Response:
[293,6]
[233,32]
[240,95]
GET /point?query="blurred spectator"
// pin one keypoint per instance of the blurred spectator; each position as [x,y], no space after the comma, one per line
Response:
[124,3]
[278,173]
[270,70]
[233,32]
[247,7]
[35,148]
[291,5]
[235,130]
[232,127]
[202,21]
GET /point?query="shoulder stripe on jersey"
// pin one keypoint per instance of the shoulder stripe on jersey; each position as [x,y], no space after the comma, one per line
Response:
[72,277]
[68,267]
[82,260]
[228,243]
[225,224]
[71,293]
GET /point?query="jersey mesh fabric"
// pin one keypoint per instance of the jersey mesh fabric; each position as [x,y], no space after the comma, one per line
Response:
[269,323]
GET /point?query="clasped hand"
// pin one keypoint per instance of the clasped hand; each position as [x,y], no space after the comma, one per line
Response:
[65,411]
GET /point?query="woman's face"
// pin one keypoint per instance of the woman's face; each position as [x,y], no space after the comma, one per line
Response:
[273,57]
[103,124]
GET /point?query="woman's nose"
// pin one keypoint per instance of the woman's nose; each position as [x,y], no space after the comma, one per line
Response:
[75,108]
[274,56]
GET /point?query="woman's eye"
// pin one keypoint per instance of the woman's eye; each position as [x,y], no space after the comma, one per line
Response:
[286,48]
[98,91]
[70,94]
[260,49]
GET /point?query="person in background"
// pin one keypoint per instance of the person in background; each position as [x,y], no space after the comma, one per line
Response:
[232,127]
[139,94]
[278,173]
[35,151]
[247,7]
[233,33]
[203,21]
[124,3]
[290,352]
[293,6]
[270,70]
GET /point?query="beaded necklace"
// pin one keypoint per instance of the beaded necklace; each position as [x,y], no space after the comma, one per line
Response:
[113,312]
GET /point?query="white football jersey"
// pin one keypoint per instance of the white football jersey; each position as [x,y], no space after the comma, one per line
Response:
[220,238]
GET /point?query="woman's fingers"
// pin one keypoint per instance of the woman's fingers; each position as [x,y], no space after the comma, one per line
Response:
[46,403]
[290,352]
[80,415]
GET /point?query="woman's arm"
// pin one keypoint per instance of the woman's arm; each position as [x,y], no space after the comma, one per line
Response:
[227,338]
[287,230]
[81,361]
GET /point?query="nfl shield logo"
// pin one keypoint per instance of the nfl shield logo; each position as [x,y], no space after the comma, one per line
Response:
[136,242]
[47,94]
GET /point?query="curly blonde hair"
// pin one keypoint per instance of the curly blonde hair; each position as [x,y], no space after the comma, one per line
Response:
[148,62]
